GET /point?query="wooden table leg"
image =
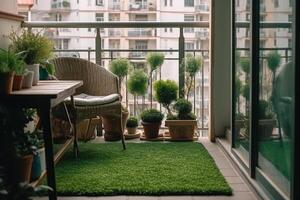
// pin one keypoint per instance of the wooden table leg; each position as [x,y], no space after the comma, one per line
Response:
[47,132]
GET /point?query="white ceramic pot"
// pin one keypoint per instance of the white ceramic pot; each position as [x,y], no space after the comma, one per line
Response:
[28,79]
[36,70]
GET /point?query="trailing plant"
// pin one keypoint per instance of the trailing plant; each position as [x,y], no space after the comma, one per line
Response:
[155,60]
[166,91]
[152,116]
[193,65]
[132,122]
[11,62]
[137,83]
[36,47]
[120,68]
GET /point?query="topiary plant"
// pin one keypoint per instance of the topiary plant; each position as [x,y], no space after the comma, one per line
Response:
[119,67]
[152,116]
[245,65]
[36,48]
[193,65]
[137,83]
[132,122]
[165,93]
[154,60]
[265,110]
[273,60]
[184,108]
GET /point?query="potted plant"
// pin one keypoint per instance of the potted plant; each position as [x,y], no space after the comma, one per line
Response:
[131,125]
[112,127]
[47,70]
[182,126]
[267,120]
[119,67]
[19,74]
[193,65]
[137,84]
[6,71]
[155,60]
[35,48]
[151,121]
[38,165]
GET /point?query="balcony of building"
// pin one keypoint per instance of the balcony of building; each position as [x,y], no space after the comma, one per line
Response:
[60,6]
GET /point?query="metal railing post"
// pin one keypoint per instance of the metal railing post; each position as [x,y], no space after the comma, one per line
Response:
[98,47]
[181,66]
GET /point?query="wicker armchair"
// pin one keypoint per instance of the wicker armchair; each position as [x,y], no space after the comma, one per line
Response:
[99,94]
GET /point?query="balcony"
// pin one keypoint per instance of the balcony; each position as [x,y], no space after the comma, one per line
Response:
[202,34]
[140,32]
[114,5]
[202,8]
[114,33]
[61,5]
[142,6]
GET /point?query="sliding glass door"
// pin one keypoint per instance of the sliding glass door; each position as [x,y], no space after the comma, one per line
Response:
[276,92]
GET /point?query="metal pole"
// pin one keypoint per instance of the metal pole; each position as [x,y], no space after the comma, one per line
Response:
[202,94]
[98,47]
[181,66]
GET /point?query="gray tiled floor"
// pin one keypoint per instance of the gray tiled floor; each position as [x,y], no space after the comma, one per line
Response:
[241,191]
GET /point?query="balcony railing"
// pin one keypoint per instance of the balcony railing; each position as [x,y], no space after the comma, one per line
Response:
[202,33]
[202,8]
[140,32]
[114,5]
[137,56]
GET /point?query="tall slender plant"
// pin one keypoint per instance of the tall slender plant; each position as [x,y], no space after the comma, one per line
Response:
[120,68]
[193,65]
[155,60]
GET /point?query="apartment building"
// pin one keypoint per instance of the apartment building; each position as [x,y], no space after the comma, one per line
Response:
[131,38]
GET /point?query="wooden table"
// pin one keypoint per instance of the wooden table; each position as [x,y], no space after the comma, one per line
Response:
[45,96]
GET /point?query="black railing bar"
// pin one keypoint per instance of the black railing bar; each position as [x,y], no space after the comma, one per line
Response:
[246,24]
[114,24]
[266,49]
[129,50]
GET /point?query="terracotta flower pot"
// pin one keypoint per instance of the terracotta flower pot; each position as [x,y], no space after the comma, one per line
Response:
[6,82]
[111,126]
[27,80]
[265,128]
[18,81]
[131,130]
[24,165]
[35,68]
[151,130]
[181,129]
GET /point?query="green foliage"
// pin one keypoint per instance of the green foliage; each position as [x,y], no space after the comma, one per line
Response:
[166,92]
[132,122]
[152,116]
[265,110]
[155,60]
[246,92]
[245,65]
[184,108]
[238,88]
[193,65]
[36,48]
[49,67]
[119,67]
[137,83]
[11,62]
[274,60]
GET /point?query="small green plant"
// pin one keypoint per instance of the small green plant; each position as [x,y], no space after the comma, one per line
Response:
[245,65]
[166,92]
[193,65]
[246,91]
[273,60]
[184,108]
[155,60]
[152,116]
[132,122]
[137,83]
[36,48]
[49,67]
[11,62]
[265,110]
[119,67]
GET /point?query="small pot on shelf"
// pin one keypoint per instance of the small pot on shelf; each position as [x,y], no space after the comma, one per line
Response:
[18,82]
[6,82]
[35,68]
[28,80]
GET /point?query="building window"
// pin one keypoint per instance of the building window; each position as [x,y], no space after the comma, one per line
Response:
[189,18]
[58,17]
[89,29]
[141,44]
[276,3]
[141,18]
[290,43]
[171,2]
[166,30]
[99,3]
[189,3]
[99,17]
[166,2]
[189,46]
[171,30]
[275,42]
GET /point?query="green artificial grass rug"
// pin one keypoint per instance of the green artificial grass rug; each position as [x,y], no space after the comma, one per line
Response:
[143,169]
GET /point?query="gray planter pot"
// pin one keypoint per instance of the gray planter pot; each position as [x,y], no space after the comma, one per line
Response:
[43,159]
[36,70]
[28,79]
